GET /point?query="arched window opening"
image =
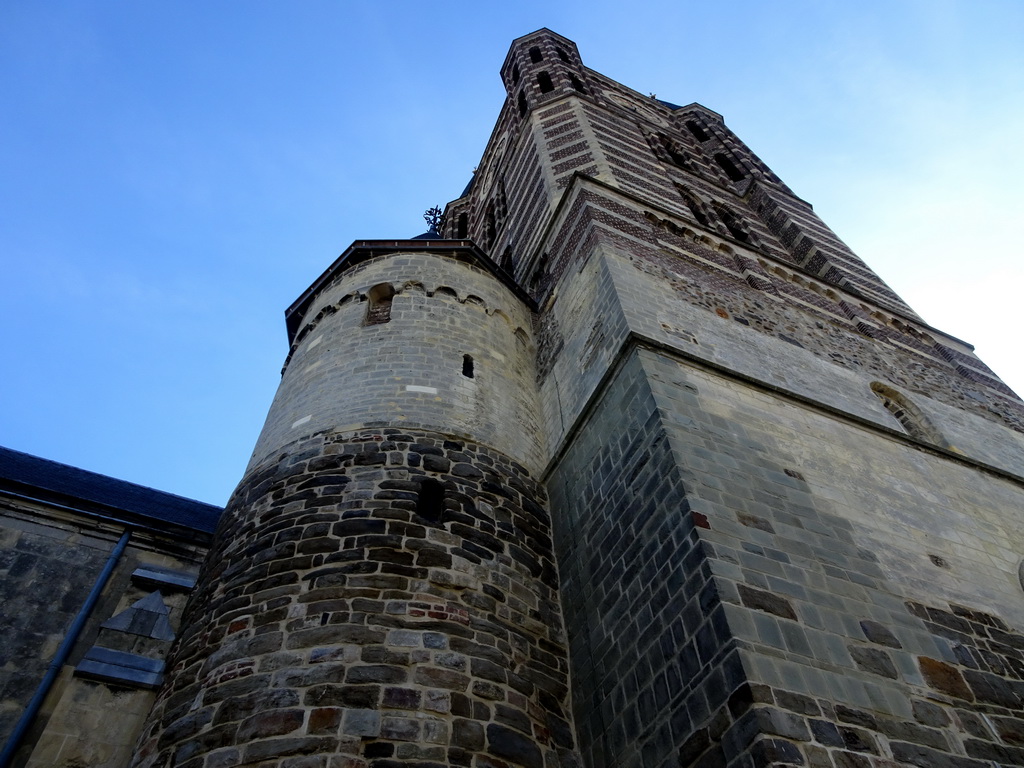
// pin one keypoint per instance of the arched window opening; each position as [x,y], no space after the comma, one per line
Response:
[490,226]
[536,55]
[677,155]
[733,224]
[577,84]
[695,209]
[729,167]
[462,226]
[537,279]
[430,501]
[562,55]
[522,104]
[378,310]
[515,74]
[544,81]
[913,420]
[506,259]
[467,366]
[698,133]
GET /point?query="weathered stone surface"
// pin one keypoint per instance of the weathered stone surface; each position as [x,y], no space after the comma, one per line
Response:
[873,660]
[945,678]
[514,746]
[876,632]
[766,601]
[359,644]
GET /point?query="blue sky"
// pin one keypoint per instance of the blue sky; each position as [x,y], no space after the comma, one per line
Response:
[173,175]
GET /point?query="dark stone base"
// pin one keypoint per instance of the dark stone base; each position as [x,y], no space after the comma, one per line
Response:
[386,598]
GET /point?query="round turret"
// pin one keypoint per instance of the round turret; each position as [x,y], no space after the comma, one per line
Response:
[382,589]
[422,339]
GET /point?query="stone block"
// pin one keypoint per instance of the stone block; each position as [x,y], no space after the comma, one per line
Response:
[362,722]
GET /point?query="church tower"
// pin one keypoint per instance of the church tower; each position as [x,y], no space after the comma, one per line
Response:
[634,464]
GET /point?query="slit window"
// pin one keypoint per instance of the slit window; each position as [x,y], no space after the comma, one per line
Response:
[544,81]
[733,224]
[677,155]
[729,167]
[515,74]
[379,309]
[698,133]
[490,226]
[430,502]
[467,366]
[536,55]
[462,226]
[696,210]
[522,104]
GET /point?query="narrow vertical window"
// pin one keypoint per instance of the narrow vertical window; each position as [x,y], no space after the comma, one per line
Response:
[732,223]
[577,84]
[544,81]
[467,366]
[677,155]
[729,167]
[536,55]
[515,74]
[522,104]
[379,309]
[562,55]
[490,226]
[695,208]
[698,133]
[430,502]
[462,226]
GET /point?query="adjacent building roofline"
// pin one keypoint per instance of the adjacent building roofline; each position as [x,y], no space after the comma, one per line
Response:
[32,477]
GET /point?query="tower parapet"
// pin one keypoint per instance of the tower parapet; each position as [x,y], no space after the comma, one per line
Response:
[425,334]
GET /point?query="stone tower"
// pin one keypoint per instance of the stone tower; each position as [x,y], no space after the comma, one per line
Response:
[637,465]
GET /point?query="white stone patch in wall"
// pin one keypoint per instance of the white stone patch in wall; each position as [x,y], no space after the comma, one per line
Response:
[311,366]
[315,341]
[418,388]
[300,422]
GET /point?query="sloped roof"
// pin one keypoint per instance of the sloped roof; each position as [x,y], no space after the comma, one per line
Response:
[86,491]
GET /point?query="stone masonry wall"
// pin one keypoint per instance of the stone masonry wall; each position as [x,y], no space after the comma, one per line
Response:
[871,587]
[652,658]
[344,372]
[46,572]
[51,559]
[733,600]
[376,599]
[692,295]
[96,723]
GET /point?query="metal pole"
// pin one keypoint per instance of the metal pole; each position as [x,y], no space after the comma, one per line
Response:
[29,715]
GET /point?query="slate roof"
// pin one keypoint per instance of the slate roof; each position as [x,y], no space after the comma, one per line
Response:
[86,491]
